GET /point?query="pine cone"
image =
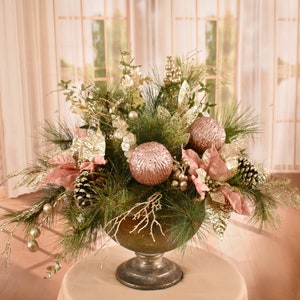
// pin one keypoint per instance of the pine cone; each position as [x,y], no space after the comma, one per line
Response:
[248,173]
[83,191]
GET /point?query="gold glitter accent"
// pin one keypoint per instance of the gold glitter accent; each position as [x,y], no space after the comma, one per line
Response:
[173,72]
[201,174]
[183,96]
[219,216]
[163,113]
[232,166]
[87,148]
[233,149]
[119,123]
[191,115]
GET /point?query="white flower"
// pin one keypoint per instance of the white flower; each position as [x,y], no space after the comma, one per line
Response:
[127,81]
[129,138]
[119,123]
[125,146]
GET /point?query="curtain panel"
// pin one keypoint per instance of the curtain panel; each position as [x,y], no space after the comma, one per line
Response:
[268,79]
[28,72]
[256,69]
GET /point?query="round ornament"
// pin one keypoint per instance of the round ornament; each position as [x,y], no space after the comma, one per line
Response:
[204,132]
[35,232]
[48,209]
[133,115]
[151,163]
[33,246]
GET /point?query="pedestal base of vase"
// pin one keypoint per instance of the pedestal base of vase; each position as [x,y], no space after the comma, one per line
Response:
[149,272]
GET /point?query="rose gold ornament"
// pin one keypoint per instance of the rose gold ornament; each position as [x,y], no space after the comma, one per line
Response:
[204,132]
[151,163]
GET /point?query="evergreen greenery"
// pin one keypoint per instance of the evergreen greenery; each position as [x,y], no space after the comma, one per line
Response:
[235,122]
[60,135]
[115,120]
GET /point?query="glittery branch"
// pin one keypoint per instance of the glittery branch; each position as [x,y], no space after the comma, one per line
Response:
[144,212]
[219,218]
[7,249]
[18,218]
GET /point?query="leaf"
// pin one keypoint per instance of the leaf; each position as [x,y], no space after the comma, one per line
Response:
[190,116]
[183,94]
[163,113]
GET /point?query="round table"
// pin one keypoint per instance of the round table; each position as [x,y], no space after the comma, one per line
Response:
[206,277]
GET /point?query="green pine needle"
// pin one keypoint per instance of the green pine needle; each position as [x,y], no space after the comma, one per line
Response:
[185,214]
[59,135]
[265,210]
[151,127]
[29,216]
[236,123]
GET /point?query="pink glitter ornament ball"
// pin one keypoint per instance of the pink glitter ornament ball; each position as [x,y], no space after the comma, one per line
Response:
[204,132]
[151,163]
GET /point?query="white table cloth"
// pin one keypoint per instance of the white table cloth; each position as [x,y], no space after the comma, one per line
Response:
[206,277]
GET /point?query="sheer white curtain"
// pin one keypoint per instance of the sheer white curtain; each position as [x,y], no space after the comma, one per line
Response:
[257,69]
[34,47]
[28,73]
[150,32]
[269,78]
[262,67]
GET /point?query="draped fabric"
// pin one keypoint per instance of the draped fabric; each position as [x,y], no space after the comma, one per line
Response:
[257,67]
[268,78]
[254,44]
[27,74]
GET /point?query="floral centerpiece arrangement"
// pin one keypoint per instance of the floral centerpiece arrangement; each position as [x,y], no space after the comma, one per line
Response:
[152,151]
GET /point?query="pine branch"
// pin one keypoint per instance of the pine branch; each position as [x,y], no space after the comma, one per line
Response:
[32,175]
[265,210]
[59,135]
[84,225]
[151,127]
[184,215]
[236,124]
[29,216]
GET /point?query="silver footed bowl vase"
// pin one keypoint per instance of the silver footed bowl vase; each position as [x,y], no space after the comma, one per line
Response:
[149,269]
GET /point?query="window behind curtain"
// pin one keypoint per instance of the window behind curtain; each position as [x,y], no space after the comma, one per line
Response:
[212,27]
[286,114]
[90,34]
[89,29]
